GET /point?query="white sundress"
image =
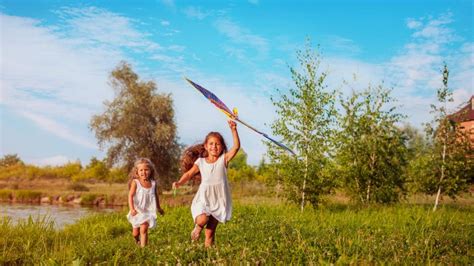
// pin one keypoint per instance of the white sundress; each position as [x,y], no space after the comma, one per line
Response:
[144,202]
[213,196]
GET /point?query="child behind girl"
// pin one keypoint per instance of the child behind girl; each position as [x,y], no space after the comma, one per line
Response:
[212,203]
[143,200]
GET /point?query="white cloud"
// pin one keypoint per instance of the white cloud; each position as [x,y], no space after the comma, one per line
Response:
[253,2]
[342,45]
[415,71]
[57,76]
[56,160]
[240,35]
[413,23]
[169,3]
[96,26]
[58,129]
[196,13]
[165,23]
[176,48]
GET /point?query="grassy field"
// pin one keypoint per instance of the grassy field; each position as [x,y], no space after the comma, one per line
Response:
[269,233]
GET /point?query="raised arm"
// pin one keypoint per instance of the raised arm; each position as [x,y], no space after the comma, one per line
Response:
[186,176]
[235,137]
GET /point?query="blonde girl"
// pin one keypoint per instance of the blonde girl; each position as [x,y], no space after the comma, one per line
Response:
[143,200]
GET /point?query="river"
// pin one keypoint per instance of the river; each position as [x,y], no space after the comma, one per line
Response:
[60,214]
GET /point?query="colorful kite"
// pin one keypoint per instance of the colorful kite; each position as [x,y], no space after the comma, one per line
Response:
[232,114]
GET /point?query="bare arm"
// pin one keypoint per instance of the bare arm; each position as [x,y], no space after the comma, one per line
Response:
[186,176]
[235,148]
[131,193]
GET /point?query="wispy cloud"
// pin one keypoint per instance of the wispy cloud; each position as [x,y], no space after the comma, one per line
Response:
[196,13]
[341,45]
[56,160]
[58,129]
[415,71]
[169,3]
[50,73]
[96,26]
[240,35]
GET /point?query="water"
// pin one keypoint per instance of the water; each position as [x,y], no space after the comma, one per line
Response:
[61,215]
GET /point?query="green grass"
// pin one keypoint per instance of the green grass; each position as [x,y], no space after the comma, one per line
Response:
[267,233]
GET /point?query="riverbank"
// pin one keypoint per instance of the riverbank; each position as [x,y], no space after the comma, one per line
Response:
[65,192]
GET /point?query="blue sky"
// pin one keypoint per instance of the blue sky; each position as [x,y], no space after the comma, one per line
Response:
[56,57]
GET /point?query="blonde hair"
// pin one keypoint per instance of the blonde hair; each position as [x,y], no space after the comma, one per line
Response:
[192,153]
[134,172]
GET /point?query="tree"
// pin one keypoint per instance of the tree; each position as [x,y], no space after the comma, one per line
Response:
[10,159]
[450,164]
[139,122]
[417,151]
[239,170]
[305,122]
[371,152]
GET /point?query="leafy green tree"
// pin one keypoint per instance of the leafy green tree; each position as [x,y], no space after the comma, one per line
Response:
[139,122]
[239,170]
[239,161]
[418,156]
[449,166]
[69,169]
[371,150]
[10,159]
[305,122]
[265,173]
[95,170]
[117,175]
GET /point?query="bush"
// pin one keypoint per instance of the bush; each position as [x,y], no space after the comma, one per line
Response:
[89,199]
[5,195]
[27,196]
[78,187]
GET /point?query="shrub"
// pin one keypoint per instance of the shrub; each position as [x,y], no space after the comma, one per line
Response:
[27,195]
[78,187]
[89,199]
[5,195]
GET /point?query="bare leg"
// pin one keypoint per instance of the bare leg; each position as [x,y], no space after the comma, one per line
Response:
[136,234]
[143,234]
[210,231]
[201,221]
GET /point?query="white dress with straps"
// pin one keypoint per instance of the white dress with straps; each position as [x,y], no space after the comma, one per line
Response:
[144,202]
[213,196]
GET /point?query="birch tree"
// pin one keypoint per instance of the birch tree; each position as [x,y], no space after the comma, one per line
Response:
[305,123]
[371,152]
[449,165]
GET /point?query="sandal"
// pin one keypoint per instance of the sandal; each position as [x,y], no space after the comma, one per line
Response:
[196,232]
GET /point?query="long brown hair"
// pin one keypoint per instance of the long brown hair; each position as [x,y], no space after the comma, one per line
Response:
[192,153]
[134,172]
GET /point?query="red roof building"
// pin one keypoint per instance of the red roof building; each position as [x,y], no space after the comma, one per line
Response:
[464,118]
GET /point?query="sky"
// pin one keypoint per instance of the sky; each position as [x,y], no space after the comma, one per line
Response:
[56,58]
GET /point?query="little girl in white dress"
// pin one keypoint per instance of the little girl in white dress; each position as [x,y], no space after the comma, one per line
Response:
[212,203]
[213,196]
[143,200]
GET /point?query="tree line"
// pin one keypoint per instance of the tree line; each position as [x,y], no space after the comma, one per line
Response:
[357,143]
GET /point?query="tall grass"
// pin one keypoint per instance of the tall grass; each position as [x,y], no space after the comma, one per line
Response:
[269,234]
